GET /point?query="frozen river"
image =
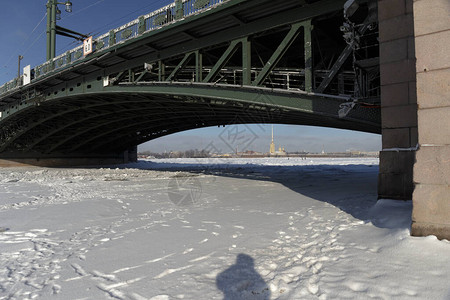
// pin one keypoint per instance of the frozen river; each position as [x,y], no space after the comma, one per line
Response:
[212,229]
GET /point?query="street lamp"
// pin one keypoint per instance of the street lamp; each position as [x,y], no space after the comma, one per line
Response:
[54,14]
[68,6]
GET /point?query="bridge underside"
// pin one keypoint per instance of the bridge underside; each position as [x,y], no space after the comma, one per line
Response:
[239,63]
[119,117]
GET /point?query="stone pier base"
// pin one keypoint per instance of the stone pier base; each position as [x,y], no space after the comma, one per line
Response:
[395,179]
[431,199]
[55,161]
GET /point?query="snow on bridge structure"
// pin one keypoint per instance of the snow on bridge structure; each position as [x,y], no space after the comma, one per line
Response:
[360,65]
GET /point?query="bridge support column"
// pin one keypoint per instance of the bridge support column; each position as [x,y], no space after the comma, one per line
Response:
[398,99]
[431,198]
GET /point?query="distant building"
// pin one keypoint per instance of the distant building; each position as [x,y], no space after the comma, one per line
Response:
[250,153]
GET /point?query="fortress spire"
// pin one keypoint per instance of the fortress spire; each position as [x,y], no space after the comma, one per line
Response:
[272,145]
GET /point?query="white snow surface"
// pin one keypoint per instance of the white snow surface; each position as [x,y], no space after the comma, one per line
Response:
[272,228]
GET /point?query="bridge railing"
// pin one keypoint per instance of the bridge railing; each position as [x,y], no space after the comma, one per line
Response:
[280,78]
[11,85]
[155,20]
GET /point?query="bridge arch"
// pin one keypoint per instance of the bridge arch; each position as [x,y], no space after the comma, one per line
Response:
[113,119]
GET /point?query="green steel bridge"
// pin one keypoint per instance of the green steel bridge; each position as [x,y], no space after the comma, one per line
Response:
[199,63]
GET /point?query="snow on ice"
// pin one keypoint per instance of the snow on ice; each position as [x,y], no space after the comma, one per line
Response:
[212,229]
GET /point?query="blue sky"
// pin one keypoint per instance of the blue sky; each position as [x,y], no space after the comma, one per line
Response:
[18,19]
[23,26]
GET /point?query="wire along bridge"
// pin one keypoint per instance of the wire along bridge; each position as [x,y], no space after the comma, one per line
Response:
[193,64]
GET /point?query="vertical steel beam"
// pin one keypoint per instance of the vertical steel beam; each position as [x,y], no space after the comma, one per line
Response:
[49,30]
[130,75]
[161,71]
[53,31]
[198,66]
[278,54]
[246,62]
[307,27]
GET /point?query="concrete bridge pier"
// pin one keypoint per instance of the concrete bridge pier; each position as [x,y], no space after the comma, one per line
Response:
[398,99]
[415,77]
[431,198]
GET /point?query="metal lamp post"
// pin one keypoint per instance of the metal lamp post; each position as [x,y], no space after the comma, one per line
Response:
[18,67]
[52,12]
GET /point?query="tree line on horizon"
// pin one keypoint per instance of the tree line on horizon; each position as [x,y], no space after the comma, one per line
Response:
[192,153]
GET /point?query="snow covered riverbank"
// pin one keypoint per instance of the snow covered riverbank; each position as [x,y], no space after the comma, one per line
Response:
[212,229]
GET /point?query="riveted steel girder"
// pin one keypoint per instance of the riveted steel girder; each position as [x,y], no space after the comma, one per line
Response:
[163,108]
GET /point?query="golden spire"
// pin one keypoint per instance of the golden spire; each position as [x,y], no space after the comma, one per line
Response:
[272,145]
[272,133]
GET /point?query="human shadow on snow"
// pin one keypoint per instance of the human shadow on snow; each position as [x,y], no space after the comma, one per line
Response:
[241,281]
